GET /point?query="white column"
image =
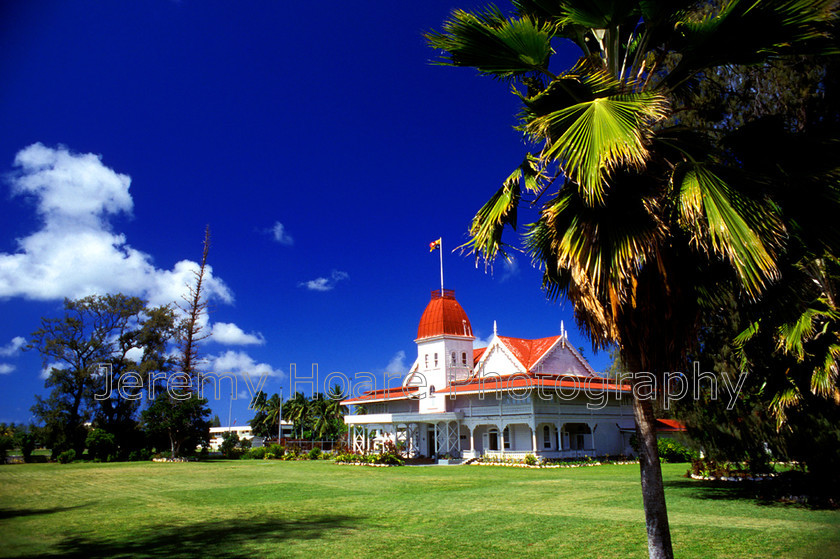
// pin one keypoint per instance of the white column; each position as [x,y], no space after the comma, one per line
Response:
[502,439]
[534,440]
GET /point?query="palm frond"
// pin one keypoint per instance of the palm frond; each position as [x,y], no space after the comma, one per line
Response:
[592,138]
[710,210]
[496,46]
[500,211]
[751,31]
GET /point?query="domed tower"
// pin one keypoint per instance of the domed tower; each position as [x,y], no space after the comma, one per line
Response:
[444,347]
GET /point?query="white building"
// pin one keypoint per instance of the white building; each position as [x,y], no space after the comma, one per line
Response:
[245,433]
[511,398]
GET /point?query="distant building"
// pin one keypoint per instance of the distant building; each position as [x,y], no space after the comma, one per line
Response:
[514,397]
[245,433]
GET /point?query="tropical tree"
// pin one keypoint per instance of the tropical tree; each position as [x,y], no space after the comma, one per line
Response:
[89,352]
[298,411]
[642,214]
[328,414]
[267,415]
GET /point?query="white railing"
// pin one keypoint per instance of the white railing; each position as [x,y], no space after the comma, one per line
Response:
[496,410]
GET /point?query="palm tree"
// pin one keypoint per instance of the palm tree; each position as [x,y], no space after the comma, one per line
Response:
[298,411]
[642,209]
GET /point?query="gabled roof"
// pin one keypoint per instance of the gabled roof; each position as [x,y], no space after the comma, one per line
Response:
[529,352]
[530,355]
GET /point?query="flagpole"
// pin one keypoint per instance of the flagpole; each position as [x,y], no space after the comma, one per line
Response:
[441,266]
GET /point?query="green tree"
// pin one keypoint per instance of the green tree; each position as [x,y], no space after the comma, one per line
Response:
[26,440]
[299,411]
[230,445]
[90,353]
[101,445]
[180,423]
[641,214]
[267,415]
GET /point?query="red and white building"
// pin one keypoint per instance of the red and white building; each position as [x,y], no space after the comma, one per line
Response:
[511,398]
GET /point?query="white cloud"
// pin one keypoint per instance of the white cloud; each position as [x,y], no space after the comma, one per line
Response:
[397,363]
[45,372]
[75,253]
[134,354]
[280,235]
[230,334]
[240,362]
[6,368]
[482,342]
[12,347]
[325,284]
[510,269]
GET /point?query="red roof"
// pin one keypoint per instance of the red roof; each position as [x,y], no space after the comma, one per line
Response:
[529,352]
[521,380]
[444,316]
[669,425]
[477,353]
[397,393]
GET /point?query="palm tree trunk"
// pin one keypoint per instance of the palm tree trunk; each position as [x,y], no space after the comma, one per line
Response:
[653,490]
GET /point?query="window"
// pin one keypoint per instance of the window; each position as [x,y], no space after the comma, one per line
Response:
[436,360]
[507,438]
[454,359]
[546,437]
[427,360]
[464,359]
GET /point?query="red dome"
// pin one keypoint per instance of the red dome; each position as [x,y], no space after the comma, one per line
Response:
[443,315]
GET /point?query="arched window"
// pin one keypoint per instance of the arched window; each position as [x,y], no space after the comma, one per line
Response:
[427,360]
[507,438]
[546,437]
[436,360]
[454,359]
[431,391]
[464,359]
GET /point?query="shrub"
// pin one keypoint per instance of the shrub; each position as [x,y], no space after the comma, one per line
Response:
[257,453]
[674,451]
[67,456]
[139,455]
[101,445]
[6,444]
[26,441]
[530,459]
[277,450]
[230,447]
[314,453]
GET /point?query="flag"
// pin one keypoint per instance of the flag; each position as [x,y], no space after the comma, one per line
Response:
[434,245]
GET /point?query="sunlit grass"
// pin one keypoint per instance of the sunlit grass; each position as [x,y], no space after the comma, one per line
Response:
[271,508]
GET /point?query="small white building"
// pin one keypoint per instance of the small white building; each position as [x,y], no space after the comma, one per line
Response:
[512,398]
[245,433]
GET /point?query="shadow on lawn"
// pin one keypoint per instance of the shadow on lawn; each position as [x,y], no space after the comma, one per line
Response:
[13,513]
[782,491]
[222,538]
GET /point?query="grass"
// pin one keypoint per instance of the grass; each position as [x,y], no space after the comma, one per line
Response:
[290,509]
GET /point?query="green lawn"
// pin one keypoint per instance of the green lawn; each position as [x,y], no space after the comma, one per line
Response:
[287,509]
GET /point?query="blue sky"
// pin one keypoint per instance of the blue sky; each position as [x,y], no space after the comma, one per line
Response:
[317,141]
